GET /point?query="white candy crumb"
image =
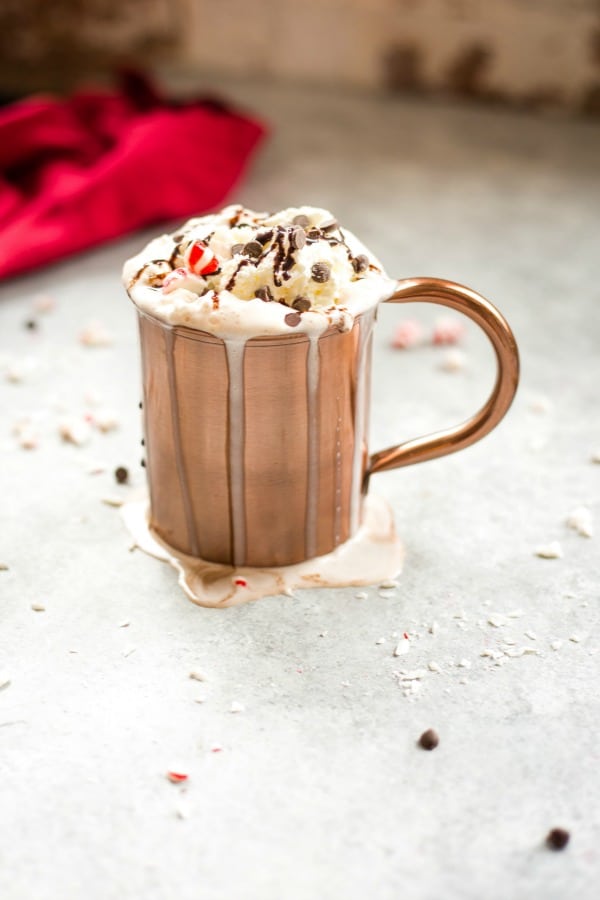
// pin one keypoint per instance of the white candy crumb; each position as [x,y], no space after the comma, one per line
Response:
[201,698]
[197,675]
[515,614]
[380,641]
[410,675]
[112,501]
[92,398]
[125,624]
[95,335]
[492,654]
[74,431]
[18,370]
[236,707]
[3,567]
[530,635]
[361,596]
[28,438]
[553,550]
[43,303]
[595,457]
[463,680]
[106,420]
[402,647]
[453,361]
[521,651]
[129,652]
[38,607]
[434,667]
[434,628]
[388,585]
[556,645]
[580,520]
[464,664]
[4,681]
[497,621]
[576,638]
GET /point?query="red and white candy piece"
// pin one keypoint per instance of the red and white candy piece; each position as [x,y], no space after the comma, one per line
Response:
[182,278]
[447,331]
[407,333]
[201,259]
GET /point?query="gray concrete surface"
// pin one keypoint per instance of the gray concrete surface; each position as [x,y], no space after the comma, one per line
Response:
[320,790]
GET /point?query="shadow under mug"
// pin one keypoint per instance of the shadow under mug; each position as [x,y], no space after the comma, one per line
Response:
[256,451]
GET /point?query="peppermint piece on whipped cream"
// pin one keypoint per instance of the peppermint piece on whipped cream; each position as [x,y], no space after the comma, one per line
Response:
[240,273]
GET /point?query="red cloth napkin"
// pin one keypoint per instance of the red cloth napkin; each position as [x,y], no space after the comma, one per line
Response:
[76,172]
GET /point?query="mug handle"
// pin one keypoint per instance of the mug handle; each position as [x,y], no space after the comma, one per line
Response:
[495,326]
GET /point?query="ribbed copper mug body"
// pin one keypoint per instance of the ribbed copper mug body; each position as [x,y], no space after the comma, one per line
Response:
[255,451]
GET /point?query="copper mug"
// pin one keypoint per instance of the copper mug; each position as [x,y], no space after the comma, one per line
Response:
[256,453]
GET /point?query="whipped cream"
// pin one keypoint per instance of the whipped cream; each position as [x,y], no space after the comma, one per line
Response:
[240,273]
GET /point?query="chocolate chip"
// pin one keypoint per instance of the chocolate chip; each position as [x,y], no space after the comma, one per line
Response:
[429,739]
[321,272]
[31,324]
[314,234]
[298,238]
[140,404]
[264,293]
[557,838]
[302,304]
[360,263]
[143,442]
[236,248]
[329,225]
[264,236]
[253,249]
[301,220]
[121,475]
[143,463]
[292,319]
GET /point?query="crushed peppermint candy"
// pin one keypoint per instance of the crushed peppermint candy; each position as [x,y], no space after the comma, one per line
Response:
[95,334]
[434,667]
[240,582]
[447,330]
[74,430]
[197,675]
[556,645]
[408,333]
[553,550]
[177,777]
[403,646]
[453,361]
[580,520]
[105,420]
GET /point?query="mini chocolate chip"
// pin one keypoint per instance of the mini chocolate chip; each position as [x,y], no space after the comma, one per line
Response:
[360,263]
[143,463]
[429,739]
[236,248]
[557,838]
[329,225]
[264,293]
[31,324]
[302,304]
[252,248]
[314,234]
[140,404]
[298,238]
[121,475]
[301,220]
[143,442]
[320,272]
[264,236]
[292,319]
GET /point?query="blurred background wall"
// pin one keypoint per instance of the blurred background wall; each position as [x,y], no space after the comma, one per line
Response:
[538,54]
